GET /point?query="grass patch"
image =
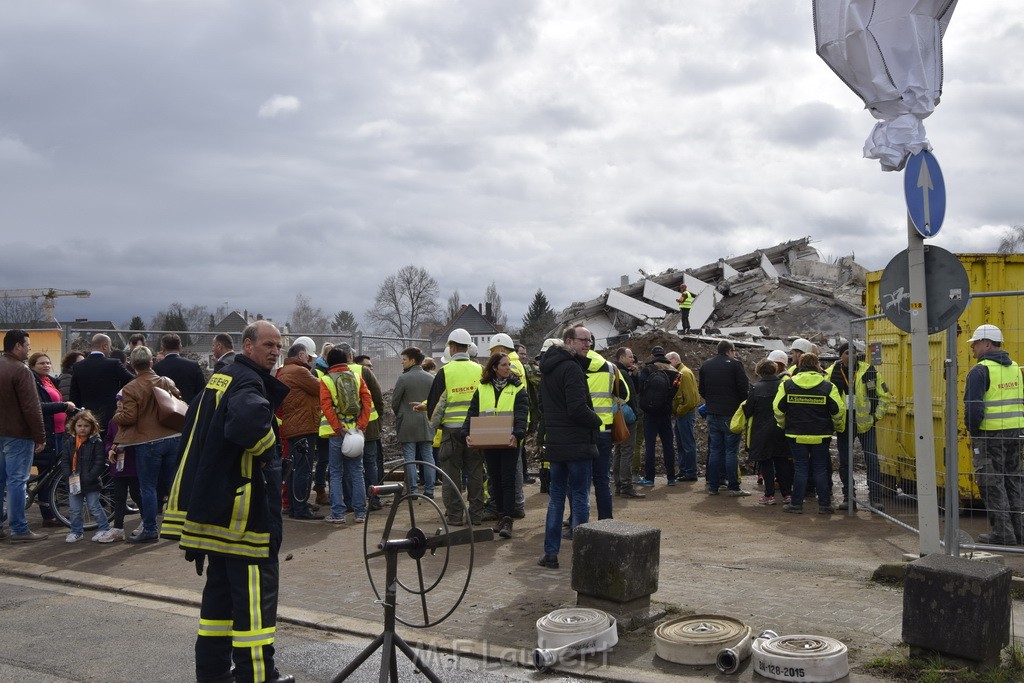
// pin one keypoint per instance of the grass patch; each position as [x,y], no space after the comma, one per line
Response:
[899,666]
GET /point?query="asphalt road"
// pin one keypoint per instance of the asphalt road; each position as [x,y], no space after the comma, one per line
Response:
[55,633]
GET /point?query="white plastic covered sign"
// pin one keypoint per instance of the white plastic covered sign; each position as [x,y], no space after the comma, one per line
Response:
[890,53]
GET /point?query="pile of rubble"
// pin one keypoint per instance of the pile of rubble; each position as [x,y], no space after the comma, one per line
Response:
[764,298]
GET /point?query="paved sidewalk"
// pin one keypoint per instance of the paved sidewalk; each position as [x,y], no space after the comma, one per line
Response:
[792,574]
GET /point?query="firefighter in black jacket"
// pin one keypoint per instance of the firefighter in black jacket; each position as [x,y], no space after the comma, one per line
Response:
[225,505]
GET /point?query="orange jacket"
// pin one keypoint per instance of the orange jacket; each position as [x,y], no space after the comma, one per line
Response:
[327,401]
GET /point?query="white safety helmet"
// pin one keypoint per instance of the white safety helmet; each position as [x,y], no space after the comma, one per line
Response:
[501,339]
[473,351]
[548,343]
[778,356]
[308,343]
[802,345]
[990,332]
[352,444]
[460,336]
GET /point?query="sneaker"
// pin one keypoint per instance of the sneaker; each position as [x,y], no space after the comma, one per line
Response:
[144,538]
[334,519]
[712,492]
[73,537]
[787,500]
[103,536]
[738,493]
[360,520]
[27,537]
[795,509]
[505,528]
[138,531]
[671,482]
[826,510]
[116,534]
[644,482]
[766,500]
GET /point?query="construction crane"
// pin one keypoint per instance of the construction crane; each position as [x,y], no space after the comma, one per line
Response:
[47,295]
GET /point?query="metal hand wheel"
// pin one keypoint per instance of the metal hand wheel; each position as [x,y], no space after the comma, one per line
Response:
[434,548]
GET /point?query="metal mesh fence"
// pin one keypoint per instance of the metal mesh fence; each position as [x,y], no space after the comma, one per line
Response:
[981,491]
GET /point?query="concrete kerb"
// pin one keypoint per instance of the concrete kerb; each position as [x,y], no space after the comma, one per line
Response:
[322,621]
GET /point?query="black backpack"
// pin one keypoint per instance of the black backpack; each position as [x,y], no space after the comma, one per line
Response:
[657,392]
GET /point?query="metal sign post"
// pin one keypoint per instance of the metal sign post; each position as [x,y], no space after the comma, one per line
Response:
[924,432]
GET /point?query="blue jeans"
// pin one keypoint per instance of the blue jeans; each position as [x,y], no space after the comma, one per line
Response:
[15,467]
[345,469]
[817,455]
[320,473]
[657,426]
[687,443]
[572,478]
[155,463]
[92,499]
[602,475]
[370,476]
[723,453]
[419,450]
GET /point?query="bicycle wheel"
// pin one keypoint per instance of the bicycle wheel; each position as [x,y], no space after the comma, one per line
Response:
[58,496]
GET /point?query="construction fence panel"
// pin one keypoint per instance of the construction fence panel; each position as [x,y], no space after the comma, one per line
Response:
[966,501]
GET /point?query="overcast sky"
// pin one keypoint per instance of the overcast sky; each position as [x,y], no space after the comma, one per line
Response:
[244,151]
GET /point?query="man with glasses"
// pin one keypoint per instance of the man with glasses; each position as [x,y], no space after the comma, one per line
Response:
[571,431]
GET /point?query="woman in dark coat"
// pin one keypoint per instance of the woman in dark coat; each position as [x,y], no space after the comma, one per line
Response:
[55,410]
[768,446]
[501,393]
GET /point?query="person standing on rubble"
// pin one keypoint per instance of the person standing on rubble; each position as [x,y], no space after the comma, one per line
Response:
[685,304]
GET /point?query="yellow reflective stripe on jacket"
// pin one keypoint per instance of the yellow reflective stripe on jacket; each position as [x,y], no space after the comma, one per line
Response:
[174,518]
[358,370]
[461,379]
[1004,399]
[263,445]
[600,388]
[687,300]
[506,400]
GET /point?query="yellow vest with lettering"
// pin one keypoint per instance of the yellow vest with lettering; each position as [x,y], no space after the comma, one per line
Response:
[461,378]
[1004,400]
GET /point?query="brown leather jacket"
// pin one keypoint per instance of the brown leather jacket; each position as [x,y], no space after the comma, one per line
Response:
[136,411]
[300,411]
[21,415]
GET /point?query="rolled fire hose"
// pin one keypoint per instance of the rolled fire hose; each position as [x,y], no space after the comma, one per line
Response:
[698,639]
[728,660]
[573,631]
[813,659]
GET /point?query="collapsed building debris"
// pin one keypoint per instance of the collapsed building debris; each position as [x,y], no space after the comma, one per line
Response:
[764,299]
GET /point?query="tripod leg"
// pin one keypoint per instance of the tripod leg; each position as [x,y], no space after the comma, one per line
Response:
[387,657]
[360,658]
[415,658]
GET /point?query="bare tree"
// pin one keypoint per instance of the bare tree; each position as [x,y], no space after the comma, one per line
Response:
[196,318]
[19,310]
[492,297]
[404,301]
[454,304]
[345,321]
[1012,241]
[307,319]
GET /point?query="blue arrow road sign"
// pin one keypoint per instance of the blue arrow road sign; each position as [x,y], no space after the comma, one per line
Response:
[926,193]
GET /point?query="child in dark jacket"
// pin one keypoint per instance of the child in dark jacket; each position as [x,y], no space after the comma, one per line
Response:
[83,461]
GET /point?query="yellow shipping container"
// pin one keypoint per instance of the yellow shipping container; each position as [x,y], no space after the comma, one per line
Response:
[889,349]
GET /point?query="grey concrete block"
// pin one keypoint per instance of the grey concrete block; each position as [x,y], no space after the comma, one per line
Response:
[957,607]
[615,560]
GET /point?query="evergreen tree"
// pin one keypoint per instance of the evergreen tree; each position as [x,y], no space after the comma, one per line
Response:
[537,323]
[136,323]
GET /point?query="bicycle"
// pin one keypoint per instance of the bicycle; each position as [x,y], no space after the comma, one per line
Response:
[50,484]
